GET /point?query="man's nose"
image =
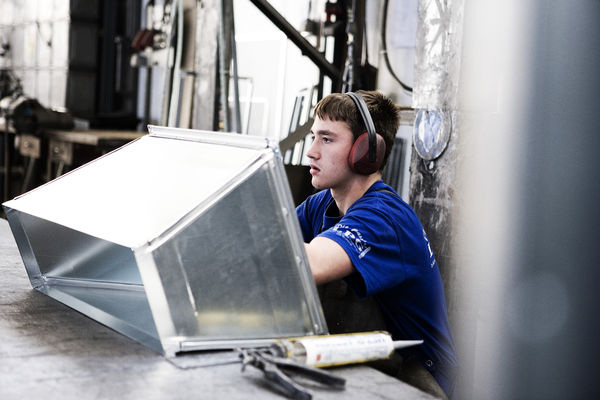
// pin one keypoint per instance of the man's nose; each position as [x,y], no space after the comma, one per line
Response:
[312,150]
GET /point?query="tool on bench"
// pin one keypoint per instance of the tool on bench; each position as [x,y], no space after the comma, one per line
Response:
[276,370]
[302,355]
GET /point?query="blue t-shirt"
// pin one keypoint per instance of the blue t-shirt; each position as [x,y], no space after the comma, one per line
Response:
[389,248]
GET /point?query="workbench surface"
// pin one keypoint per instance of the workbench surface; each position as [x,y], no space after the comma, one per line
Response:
[49,351]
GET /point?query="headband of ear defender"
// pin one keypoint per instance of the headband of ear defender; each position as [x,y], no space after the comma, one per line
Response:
[368,150]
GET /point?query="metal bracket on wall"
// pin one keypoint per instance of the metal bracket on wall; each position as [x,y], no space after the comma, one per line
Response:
[431,133]
[294,137]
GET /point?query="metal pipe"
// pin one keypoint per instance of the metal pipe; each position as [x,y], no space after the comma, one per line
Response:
[5,194]
[236,89]
[170,9]
[224,66]
[176,85]
[304,45]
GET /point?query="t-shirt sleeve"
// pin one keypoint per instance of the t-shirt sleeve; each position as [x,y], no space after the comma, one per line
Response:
[305,222]
[382,256]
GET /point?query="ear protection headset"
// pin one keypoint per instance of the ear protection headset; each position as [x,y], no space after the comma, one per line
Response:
[368,150]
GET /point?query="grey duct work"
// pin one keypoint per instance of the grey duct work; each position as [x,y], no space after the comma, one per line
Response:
[211,259]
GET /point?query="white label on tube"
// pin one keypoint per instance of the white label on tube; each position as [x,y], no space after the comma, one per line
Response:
[345,349]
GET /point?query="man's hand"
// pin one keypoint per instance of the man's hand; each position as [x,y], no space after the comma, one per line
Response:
[328,260]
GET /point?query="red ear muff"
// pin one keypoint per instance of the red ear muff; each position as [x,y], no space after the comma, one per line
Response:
[368,150]
[359,159]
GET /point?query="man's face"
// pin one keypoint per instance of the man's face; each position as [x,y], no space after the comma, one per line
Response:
[329,154]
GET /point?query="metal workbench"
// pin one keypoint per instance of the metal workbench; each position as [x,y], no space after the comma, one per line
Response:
[49,351]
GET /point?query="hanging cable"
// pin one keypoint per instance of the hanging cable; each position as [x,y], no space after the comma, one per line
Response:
[384,47]
[348,74]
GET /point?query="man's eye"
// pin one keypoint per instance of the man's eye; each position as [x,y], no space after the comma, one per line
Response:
[326,140]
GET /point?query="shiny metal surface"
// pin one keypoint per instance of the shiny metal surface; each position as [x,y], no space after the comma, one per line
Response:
[181,240]
[48,351]
[438,54]
[431,133]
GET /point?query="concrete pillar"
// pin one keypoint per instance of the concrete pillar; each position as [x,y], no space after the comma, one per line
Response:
[432,181]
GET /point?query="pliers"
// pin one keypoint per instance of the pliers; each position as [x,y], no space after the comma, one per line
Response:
[276,369]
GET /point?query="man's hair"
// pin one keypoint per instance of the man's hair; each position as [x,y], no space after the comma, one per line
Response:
[384,112]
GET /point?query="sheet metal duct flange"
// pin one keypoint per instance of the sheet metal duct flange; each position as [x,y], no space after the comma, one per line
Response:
[182,240]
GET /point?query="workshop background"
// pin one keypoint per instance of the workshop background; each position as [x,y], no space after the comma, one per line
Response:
[496,150]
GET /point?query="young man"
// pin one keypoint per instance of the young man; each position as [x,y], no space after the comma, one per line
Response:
[359,232]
